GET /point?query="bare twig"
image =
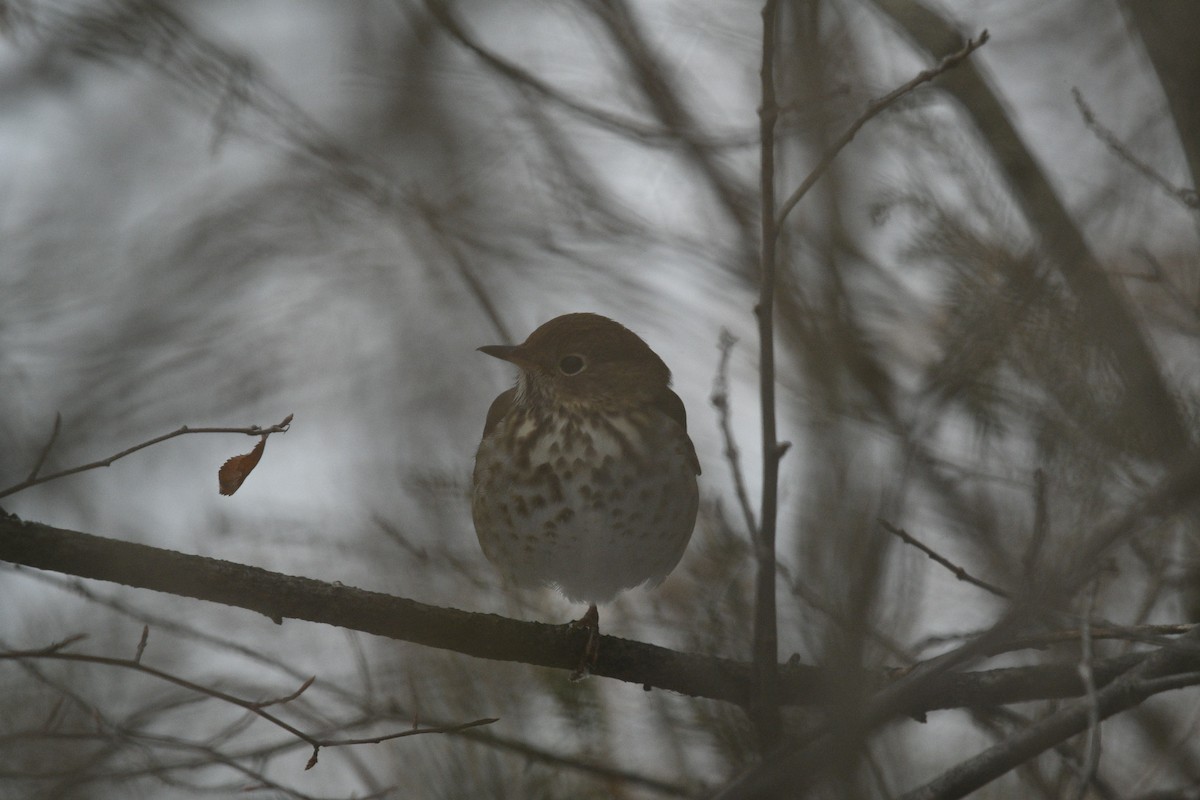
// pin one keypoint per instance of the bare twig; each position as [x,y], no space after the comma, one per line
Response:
[141,648]
[796,767]
[433,219]
[1040,522]
[720,401]
[893,647]
[309,681]
[527,81]
[239,99]
[872,110]
[764,708]
[54,653]
[1087,675]
[652,77]
[33,480]
[1145,634]
[41,459]
[958,572]
[1177,492]
[1123,693]
[483,736]
[1190,198]
[204,756]
[1177,295]
[414,731]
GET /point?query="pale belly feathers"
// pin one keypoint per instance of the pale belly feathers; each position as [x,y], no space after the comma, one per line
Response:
[569,510]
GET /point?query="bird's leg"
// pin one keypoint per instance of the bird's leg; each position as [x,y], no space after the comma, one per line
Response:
[590,621]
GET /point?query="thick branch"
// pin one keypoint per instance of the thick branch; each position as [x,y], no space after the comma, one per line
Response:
[280,596]
[489,636]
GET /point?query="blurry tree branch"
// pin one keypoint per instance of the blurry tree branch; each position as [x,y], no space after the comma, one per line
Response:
[444,15]
[653,77]
[369,713]
[1158,423]
[957,570]
[802,763]
[1189,198]
[1167,29]
[1152,676]
[222,82]
[1127,681]
[875,108]
[57,652]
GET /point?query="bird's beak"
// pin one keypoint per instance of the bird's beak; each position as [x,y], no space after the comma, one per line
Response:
[512,353]
[504,352]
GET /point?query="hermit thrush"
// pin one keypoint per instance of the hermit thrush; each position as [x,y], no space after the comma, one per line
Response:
[585,479]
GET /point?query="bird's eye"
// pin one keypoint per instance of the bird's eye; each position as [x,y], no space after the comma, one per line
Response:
[571,365]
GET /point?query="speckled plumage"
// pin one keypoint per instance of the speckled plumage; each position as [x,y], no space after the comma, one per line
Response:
[585,481]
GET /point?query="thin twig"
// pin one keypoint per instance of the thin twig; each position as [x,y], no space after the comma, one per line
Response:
[432,218]
[872,110]
[959,572]
[253,430]
[309,681]
[1087,675]
[41,459]
[483,736]
[1040,522]
[525,80]
[1190,198]
[1144,634]
[218,81]
[54,653]
[764,709]
[141,648]
[653,78]
[206,755]
[387,737]
[720,401]
[1169,286]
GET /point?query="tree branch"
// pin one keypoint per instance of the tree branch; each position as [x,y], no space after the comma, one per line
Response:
[1158,423]
[280,596]
[764,711]
[1121,694]
[720,401]
[958,571]
[874,109]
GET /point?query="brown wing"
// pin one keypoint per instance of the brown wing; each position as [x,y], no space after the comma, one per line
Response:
[670,404]
[500,407]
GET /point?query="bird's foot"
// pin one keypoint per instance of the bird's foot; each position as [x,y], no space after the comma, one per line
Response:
[591,622]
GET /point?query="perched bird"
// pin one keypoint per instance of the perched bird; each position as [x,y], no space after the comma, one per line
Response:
[585,479]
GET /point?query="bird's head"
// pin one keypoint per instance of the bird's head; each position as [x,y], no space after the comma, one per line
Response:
[580,359]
